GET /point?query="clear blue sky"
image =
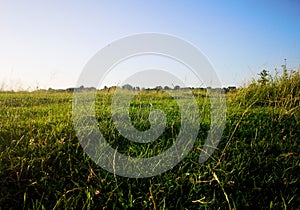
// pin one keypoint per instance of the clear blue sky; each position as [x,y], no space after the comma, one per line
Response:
[47,43]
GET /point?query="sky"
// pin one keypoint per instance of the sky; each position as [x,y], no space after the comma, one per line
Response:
[46,44]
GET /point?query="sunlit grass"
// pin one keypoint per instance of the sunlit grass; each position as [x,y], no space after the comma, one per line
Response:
[257,164]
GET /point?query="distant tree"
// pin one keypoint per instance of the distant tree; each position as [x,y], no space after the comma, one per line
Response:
[70,89]
[177,87]
[158,88]
[232,88]
[167,88]
[127,87]
[229,89]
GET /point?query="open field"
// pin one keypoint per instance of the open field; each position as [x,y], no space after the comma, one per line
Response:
[257,163]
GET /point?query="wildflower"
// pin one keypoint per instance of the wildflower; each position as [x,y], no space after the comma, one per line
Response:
[97,192]
[31,142]
[230,183]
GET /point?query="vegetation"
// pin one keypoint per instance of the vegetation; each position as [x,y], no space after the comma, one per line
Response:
[257,164]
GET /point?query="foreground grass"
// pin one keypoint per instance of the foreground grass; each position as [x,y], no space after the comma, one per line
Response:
[42,165]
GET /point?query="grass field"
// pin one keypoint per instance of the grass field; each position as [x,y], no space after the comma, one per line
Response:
[257,163]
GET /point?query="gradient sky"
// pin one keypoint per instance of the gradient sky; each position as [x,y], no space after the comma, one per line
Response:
[47,43]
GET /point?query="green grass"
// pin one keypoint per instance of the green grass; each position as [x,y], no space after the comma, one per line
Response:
[257,163]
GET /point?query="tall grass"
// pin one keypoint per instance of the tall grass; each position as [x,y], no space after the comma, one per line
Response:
[279,90]
[257,164]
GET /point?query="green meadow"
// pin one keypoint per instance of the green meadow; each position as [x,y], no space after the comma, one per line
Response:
[256,164]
